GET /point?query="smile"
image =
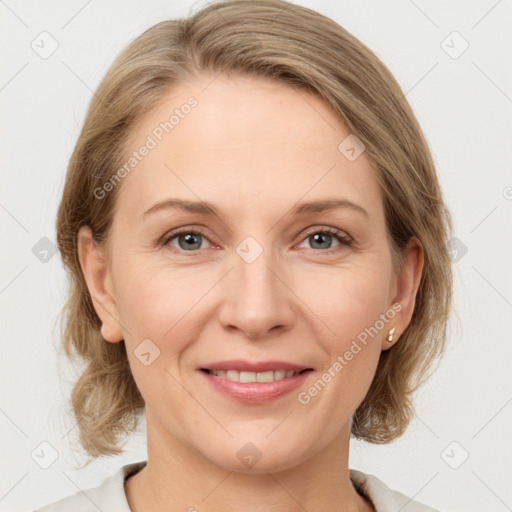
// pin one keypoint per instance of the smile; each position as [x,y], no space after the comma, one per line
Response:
[254,388]
[243,376]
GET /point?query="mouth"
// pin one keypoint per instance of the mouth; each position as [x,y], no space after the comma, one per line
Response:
[248,377]
[254,382]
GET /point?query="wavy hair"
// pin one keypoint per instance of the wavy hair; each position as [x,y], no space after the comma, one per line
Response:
[300,47]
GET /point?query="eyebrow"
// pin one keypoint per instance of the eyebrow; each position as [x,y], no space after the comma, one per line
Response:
[205,208]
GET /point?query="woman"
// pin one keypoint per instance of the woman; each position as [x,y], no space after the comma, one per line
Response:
[255,236]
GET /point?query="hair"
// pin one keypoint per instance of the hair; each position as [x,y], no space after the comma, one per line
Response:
[306,50]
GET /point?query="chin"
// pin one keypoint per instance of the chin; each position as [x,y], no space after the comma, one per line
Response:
[258,457]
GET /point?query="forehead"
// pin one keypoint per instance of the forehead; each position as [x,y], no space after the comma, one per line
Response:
[245,141]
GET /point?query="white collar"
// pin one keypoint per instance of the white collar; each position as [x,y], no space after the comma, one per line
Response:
[110,494]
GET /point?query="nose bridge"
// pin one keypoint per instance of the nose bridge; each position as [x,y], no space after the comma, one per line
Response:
[256,299]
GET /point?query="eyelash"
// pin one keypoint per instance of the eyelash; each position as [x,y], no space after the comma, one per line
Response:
[344,239]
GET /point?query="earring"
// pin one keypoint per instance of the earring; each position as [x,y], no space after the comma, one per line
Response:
[391,332]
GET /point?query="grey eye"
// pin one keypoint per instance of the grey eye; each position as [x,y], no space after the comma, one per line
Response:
[322,240]
[187,241]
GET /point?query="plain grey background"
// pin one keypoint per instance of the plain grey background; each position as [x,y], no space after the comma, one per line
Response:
[452,60]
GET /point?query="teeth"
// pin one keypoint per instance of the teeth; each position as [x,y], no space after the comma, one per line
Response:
[236,376]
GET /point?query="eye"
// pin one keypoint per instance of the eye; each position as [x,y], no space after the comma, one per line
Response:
[186,240]
[327,240]
[324,239]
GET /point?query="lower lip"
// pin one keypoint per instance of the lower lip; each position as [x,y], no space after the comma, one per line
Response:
[256,392]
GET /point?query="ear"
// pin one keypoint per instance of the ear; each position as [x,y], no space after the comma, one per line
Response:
[99,283]
[407,282]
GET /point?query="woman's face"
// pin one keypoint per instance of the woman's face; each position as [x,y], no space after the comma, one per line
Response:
[264,279]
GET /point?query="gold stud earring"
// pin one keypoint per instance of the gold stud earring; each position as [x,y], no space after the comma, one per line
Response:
[391,332]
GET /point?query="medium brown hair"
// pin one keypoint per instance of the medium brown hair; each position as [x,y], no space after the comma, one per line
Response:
[302,48]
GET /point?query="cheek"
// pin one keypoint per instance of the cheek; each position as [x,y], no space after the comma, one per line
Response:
[153,300]
[351,305]
[348,300]
[149,310]
[167,307]
[157,312]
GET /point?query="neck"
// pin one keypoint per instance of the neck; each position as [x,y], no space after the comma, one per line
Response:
[178,478]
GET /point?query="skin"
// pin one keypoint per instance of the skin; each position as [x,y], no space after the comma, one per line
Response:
[254,148]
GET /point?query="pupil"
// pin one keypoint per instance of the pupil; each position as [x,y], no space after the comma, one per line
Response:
[190,241]
[319,238]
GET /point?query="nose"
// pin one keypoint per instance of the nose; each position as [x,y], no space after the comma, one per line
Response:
[257,298]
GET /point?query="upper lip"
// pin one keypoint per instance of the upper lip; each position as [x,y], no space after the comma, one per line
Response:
[253,366]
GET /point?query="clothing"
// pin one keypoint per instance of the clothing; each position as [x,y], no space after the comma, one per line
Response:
[110,495]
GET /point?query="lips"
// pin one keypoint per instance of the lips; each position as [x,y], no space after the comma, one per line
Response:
[254,382]
[268,376]
[241,365]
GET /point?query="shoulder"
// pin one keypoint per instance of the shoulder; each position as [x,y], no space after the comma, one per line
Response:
[385,499]
[109,495]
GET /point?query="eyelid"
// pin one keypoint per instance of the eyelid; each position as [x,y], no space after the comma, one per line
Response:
[330,230]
